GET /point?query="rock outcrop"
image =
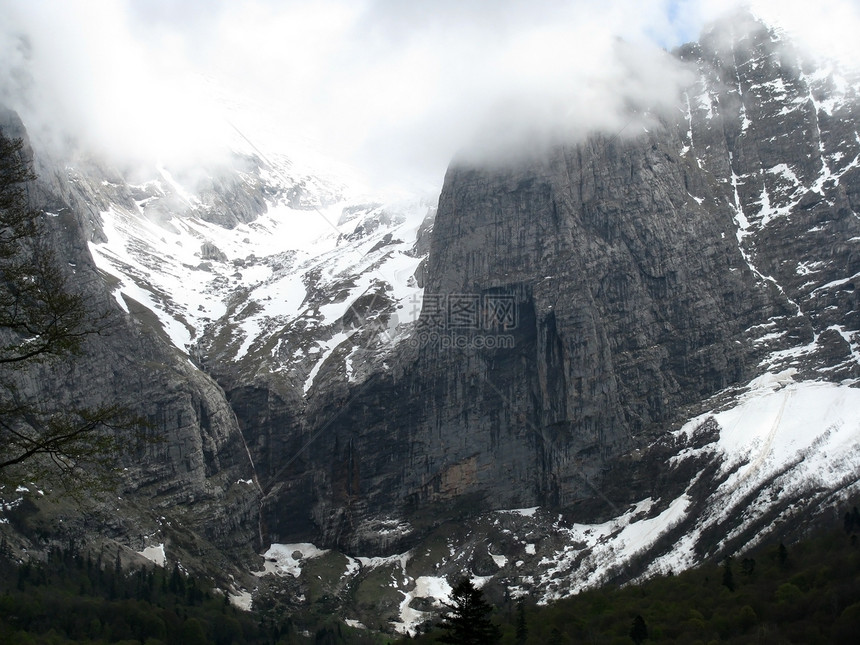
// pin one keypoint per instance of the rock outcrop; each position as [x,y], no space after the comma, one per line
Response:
[192,469]
[577,305]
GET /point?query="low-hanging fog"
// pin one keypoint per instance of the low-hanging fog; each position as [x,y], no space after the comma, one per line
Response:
[391,87]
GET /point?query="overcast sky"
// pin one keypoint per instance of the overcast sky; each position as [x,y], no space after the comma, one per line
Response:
[395,87]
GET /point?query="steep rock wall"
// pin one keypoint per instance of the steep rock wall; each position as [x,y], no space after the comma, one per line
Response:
[190,470]
[646,271]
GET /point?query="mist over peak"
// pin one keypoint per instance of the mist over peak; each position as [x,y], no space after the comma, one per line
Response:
[394,89]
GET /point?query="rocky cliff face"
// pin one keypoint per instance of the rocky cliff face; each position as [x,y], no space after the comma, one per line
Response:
[639,274]
[201,279]
[579,308]
[778,132]
[192,472]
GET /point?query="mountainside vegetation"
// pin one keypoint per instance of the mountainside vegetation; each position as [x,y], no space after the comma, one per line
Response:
[73,597]
[806,592]
[803,592]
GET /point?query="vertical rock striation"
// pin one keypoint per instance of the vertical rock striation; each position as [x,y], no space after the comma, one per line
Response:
[189,472]
[647,272]
[576,305]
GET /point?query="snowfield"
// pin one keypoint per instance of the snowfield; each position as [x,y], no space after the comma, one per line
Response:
[292,268]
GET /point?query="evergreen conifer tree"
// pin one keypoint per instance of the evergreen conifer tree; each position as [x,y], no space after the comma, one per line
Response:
[638,630]
[522,630]
[728,576]
[467,621]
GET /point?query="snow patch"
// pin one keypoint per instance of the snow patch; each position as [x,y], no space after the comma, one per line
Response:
[525,512]
[241,600]
[436,588]
[155,554]
[500,560]
[355,624]
[282,559]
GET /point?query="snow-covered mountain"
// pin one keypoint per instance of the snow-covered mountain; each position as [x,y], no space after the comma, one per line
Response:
[688,319]
[631,355]
[281,288]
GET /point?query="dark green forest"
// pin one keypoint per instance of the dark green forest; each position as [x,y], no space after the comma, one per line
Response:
[807,592]
[75,598]
[804,592]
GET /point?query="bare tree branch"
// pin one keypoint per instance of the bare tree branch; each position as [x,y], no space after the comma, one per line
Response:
[42,319]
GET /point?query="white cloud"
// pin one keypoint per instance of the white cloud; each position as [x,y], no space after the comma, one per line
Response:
[827,27]
[395,87]
[83,76]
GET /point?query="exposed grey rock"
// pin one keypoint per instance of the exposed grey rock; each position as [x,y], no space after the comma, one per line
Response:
[578,306]
[209,251]
[648,272]
[190,473]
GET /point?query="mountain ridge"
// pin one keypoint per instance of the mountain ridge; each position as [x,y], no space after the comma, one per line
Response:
[594,327]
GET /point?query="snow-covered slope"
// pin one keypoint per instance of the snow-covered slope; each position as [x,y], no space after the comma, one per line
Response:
[234,291]
[780,442]
[773,136]
[292,288]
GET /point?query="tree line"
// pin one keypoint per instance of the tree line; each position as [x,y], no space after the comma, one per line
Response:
[806,592]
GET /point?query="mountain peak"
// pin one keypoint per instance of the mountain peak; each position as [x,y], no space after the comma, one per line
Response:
[618,356]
